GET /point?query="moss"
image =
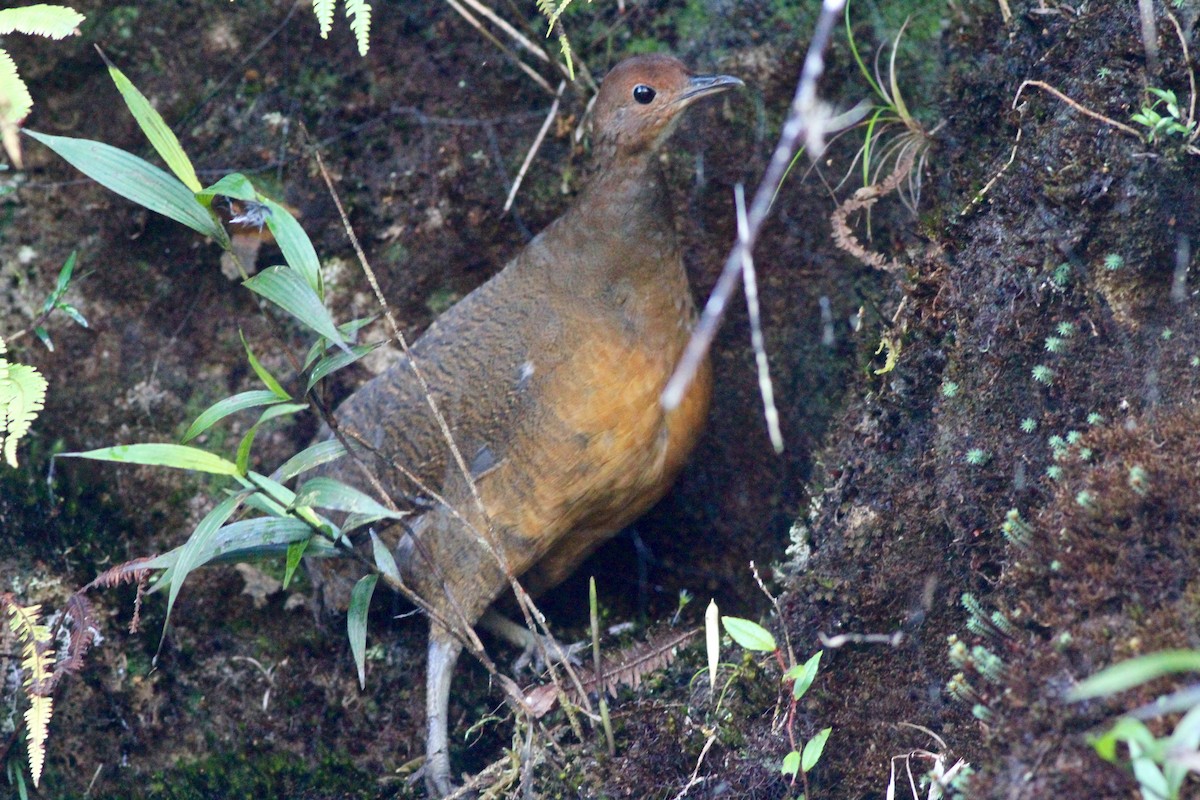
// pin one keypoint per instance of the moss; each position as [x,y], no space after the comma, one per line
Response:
[256,773]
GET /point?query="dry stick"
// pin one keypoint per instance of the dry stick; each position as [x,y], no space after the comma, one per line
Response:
[805,119]
[750,283]
[516,35]
[1075,105]
[1191,73]
[1149,34]
[475,23]
[537,143]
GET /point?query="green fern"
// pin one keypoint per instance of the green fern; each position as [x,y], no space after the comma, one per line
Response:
[553,12]
[357,11]
[22,395]
[51,21]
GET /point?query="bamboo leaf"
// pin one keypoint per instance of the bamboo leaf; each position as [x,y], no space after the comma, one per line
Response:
[193,552]
[295,552]
[155,128]
[287,289]
[342,358]
[263,375]
[135,179]
[1136,671]
[356,623]
[312,456]
[297,248]
[161,455]
[227,406]
[235,185]
[335,495]
[384,558]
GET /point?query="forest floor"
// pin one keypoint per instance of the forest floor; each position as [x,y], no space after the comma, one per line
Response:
[1033,345]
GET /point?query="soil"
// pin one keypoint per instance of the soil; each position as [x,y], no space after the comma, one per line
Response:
[1041,358]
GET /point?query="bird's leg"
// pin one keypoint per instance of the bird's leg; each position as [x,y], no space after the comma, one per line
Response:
[443,653]
[520,636]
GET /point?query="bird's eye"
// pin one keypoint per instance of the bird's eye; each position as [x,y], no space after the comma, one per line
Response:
[643,93]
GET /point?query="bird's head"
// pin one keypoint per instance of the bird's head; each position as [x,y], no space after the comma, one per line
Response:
[643,98]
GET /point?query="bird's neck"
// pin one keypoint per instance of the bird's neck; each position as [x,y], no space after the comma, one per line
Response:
[624,213]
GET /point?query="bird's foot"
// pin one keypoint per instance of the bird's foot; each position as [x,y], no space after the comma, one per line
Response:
[540,647]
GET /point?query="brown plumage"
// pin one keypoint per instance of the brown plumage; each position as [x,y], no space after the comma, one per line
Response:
[549,375]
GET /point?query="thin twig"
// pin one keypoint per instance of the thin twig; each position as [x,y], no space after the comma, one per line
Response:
[537,143]
[806,119]
[1191,73]
[1077,106]
[750,283]
[475,23]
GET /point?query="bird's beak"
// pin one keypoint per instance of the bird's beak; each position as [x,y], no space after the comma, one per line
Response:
[704,85]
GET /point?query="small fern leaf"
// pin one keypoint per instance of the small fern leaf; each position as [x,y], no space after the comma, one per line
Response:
[15,101]
[42,19]
[324,11]
[37,662]
[22,395]
[359,14]
[37,728]
[565,48]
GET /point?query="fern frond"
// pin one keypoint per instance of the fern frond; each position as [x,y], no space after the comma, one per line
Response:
[37,662]
[22,395]
[359,14]
[15,101]
[42,19]
[37,730]
[565,48]
[324,11]
[627,669]
[84,633]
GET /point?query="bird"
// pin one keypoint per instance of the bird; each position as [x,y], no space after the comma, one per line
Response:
[548,376]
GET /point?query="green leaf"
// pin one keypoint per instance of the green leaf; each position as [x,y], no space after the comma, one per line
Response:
[43,337]
[297,248]
[191,555]
[791,764]
[356,623]
[384,559]
[263,375]
[348,330]
[332,494]
[229,405]
[749,635]
[287,289]
[309,458]
[813,750]
[804,674]
[155,128]
[342,358]
[73,313]
[1135,672]
[235,185]
[135,179]
[161,455]
[248,539]
[242,457]
[64,275]
[42,19]
[295,552]
[1183,741]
